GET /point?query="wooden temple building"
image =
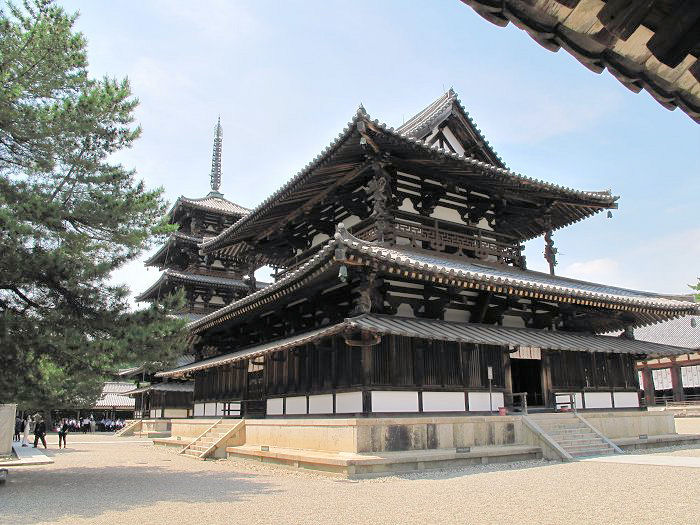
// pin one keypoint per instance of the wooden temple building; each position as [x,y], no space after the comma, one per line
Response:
[402,288]
[209,281]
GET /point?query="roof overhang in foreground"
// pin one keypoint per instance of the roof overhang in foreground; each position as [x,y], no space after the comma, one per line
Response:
[645,45]
[511,338]
[163,387]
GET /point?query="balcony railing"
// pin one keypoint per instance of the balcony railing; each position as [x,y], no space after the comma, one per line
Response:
[435,235]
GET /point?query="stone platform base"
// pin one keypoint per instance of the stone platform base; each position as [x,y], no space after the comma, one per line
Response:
[663,440]
[353,465]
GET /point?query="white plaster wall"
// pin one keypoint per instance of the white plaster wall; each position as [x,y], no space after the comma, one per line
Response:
[348,403]
[446,214]
[274,407]
[456,316]
[175,412]
[407,206]
[296,405]
[389,401]
[512,321]
[199,409]
[155,414]
[479,401]
[597,399]
[578,400]
[350,221]
[322,404]
[320,237]
[626,399]
[405,310]
[443,402]
[7,427]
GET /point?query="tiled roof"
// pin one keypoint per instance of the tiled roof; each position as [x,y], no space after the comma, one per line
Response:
[501,275]
[458,270]
[172,239]
[113,395]
[171,275]
[213,202]
[602,199]
[684,332]
[164,387]
[597,34]
[444,331]
[425,120]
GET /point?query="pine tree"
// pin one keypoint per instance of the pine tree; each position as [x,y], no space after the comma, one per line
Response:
[69,216]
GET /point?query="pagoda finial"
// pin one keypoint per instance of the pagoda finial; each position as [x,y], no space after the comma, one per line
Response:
[216,157]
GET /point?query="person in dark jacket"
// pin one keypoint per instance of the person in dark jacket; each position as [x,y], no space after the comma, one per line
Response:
[62,431]
[19,427]
[39,431]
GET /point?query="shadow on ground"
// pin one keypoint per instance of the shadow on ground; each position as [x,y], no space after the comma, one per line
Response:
[40,495]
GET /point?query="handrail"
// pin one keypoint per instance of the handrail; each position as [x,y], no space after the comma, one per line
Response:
[571,402]
[534,427]
[130,427]
[599,434]
[214,445]
[200,436]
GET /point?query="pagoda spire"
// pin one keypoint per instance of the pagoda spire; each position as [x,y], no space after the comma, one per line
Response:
[216,158]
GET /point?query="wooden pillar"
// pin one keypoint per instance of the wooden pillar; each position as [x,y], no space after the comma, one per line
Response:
[546,377]
[648,386]
[508,380]
[677,382]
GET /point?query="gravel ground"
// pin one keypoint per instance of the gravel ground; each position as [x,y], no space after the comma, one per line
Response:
[133,482]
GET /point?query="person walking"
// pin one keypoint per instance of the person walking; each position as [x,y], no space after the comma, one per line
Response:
[18,428]
[62,431]
[26,429]
[39,431]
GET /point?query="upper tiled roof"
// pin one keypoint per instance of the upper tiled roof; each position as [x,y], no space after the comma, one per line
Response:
[213,202]
[172,240]
[587,202]
[645,45]
[425,120]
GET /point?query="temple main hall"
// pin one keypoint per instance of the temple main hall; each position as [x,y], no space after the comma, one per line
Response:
[401,288]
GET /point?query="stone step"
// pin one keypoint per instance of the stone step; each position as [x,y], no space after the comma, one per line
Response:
[600,448]
[571,432]
[585,453]
[571,435]
[576,442]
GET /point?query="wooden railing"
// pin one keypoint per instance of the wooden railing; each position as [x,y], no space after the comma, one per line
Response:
[432,234]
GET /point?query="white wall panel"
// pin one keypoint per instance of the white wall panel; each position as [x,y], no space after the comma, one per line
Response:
[198,409]
[322,404]
[274,407]
[597,399]
[175,412]
[348,403]
[296,405]
[626,399]
[443,402]
[394,401]
[578,400]
[479,401]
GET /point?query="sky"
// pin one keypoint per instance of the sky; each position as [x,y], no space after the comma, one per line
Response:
[287,76]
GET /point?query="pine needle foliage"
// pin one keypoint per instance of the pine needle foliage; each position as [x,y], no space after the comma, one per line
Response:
[69,216]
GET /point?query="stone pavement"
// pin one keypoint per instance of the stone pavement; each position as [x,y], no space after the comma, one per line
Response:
[649,459]
[26,456]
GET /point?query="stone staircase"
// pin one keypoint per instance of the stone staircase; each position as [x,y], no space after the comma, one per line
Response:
[216,437]
[574,435]
[129,428]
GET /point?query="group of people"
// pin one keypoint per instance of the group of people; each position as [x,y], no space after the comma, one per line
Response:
[37,426]
[29,425]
